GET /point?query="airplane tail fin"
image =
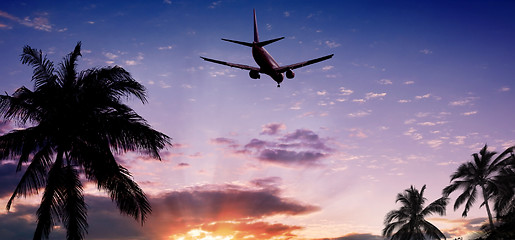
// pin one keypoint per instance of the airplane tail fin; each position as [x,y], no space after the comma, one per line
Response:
[256,35]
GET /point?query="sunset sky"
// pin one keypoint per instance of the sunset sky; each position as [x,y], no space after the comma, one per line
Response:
[414,88]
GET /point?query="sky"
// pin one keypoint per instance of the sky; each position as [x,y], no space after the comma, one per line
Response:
[414,88]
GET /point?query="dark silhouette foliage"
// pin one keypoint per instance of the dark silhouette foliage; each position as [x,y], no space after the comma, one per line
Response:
[73,124]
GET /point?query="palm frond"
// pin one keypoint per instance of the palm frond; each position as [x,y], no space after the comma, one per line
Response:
[22,143]
[67,72]
[34,177]
[500,160]
[392,227]
[127,131]
[470,201]
[463,196]
[438,206]
[75,210]
[20,106]
[50,209]
[432,231]
[129,198]
[112,82]
[43,68]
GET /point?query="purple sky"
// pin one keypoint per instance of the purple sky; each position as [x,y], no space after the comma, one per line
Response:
[414,88]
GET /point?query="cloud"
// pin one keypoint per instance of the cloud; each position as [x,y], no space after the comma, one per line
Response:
[469,113]
[300,148]
[215,4]
[357,133]
[39,22]
[182,166]
[321,93]
[5,26]
[207,209]
[225,141]
[301,134]
[504,89]
[460,227]
[409,82]
[385,82]
[5,127]
[345,92]
[286,14]
[460,140]
[9,179]
[227,202]
[435,143]
[372,95]
[211,209]
[20,224]
[359,100]
[426,51]
[167,1]
[356,236]
[412,132]
[360,113]
[428,124]
[327,68]
[269,182]
[423,96]
[272,128]
[169,47]
[463,102]
[105,222]
[332,44]
[110,55]
[289,158]
[296,106]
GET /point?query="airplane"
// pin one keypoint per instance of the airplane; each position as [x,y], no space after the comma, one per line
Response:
[267,64]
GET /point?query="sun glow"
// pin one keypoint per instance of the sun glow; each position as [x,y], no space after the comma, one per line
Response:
[199,234]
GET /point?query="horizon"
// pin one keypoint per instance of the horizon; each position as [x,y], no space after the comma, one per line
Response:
[413,89]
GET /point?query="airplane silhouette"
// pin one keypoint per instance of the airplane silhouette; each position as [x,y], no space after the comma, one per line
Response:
[266,62]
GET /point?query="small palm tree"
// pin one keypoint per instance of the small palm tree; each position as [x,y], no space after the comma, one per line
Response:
[481,173]
[73,122]
[408,222]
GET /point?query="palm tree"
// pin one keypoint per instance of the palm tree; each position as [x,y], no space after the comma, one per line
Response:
[482,173]
[408,223]
[74,123]
[504,197]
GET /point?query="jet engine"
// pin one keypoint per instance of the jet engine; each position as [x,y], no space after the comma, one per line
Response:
[254,74]
[290,74]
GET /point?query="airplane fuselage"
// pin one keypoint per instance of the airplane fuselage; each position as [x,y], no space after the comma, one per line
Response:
[266,62]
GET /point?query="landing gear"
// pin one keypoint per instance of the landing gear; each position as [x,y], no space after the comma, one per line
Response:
[278,85]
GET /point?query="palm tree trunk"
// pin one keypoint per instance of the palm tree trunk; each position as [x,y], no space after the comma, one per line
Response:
[487,208]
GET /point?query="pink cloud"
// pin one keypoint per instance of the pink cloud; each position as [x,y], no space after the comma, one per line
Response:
[272,128]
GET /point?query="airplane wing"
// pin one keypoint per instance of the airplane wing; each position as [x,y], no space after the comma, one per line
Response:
[302,64]
[240,66]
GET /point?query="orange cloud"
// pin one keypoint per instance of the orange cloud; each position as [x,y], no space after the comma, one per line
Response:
[223,210]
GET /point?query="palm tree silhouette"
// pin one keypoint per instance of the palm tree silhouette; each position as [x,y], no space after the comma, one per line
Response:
[75,123]
[481,172]
[408,223]
[504,197]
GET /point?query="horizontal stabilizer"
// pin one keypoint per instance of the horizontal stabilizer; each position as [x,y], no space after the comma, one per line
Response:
[262,44]
[238,42]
